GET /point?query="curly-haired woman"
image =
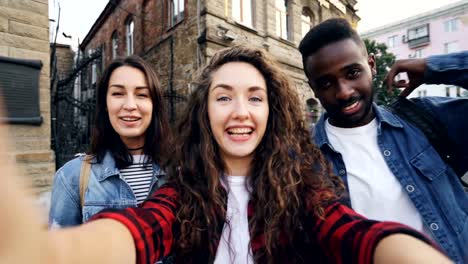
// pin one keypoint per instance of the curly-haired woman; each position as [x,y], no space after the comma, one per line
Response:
[246,185]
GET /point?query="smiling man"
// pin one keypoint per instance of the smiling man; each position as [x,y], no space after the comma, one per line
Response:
[390,169]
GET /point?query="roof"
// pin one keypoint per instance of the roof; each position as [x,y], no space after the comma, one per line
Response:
[110,7]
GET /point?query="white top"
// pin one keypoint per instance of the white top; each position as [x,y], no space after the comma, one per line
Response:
[234,246]
[374,190]
[139,176]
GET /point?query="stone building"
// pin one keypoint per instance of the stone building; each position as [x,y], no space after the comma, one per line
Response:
[178,36]
[24,82]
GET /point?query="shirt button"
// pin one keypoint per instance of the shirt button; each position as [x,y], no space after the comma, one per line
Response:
[434,226]
[342,172]
[387,153]
[410,188]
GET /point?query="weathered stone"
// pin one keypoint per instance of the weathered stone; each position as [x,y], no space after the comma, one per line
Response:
[34,157]
[32,18]
[3,51]
[15,41]
[29,5]
[29,31]
[4,25]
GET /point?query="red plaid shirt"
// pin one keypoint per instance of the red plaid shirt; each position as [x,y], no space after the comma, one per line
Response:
[342,236]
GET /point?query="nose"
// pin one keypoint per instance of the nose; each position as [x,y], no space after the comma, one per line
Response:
[344,90]
[130,103]
[240,110]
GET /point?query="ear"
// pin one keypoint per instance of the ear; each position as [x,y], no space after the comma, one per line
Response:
[372,65]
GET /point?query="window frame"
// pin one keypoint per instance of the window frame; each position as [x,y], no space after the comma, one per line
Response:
[176,17]
[246,19]
[130,35]
[114,45]
[283,29]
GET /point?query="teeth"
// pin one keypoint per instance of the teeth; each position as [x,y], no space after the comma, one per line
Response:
[129,118]
[351,106]
[240,130]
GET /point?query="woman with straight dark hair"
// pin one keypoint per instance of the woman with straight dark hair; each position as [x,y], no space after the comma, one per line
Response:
[246,185]
[129,140]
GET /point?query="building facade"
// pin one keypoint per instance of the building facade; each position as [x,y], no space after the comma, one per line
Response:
[24,53]
[440,31]
[179,36]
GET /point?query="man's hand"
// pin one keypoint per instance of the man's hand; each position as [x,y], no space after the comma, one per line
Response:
[414,68]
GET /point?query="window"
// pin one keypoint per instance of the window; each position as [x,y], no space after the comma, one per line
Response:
[242,11]
[176,11]
[129,33]
[418,32]
[282,19]
[306,21]
[451,47]
[450,25]
[93,73]
[19,86]
[114,43]
[391,41]
[447,91]
[418,53]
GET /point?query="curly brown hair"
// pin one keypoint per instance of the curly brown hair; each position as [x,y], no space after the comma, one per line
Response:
[288,173]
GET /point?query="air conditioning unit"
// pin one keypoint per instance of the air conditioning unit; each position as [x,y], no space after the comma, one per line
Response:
[404,39]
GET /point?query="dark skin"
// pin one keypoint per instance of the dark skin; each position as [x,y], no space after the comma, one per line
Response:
[414,68]
[340,74]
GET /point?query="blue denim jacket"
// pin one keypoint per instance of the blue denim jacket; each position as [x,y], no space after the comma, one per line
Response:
[433,187]
[106,189]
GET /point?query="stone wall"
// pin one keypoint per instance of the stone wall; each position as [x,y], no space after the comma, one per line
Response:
[24,34]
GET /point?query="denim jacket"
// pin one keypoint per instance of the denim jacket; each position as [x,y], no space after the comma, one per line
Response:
[106,189]
[433,187]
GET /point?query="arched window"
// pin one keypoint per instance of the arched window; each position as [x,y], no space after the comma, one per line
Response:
[129,31]
[307,20]
[282,19]
[114,45]
[242,12]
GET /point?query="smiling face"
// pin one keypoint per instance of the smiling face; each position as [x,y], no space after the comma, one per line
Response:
[129,105]
[341,76]
[238,112]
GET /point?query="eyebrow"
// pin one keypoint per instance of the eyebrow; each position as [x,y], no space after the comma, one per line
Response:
[123,87]
[345,68]
[228,87]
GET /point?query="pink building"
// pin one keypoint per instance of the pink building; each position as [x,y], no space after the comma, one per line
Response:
[440,31]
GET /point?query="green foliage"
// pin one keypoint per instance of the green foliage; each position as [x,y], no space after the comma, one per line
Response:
[384,60]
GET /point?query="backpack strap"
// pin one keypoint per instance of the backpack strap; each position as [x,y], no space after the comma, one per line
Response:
[84,177]
[432,128]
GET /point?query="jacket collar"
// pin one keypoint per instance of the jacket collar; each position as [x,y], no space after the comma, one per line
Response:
[381,114]
[108,168]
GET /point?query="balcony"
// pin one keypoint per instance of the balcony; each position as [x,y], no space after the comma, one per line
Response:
[418,42]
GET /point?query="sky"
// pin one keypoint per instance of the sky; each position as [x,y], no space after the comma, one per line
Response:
[77,17]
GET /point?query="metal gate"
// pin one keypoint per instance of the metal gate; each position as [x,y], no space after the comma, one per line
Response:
[73,103]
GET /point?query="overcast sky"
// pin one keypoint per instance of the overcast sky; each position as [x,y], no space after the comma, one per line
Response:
[77,17]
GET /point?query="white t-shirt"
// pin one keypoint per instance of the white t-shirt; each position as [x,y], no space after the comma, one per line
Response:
[374,190]
[234,246]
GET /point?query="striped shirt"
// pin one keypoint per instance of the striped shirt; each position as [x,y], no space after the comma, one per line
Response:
[341,236]
[138,176]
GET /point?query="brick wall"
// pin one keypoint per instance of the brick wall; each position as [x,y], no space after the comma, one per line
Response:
[24,34]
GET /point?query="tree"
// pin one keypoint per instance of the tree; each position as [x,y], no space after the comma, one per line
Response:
[383,60]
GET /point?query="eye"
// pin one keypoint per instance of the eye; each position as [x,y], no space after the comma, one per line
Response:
[223,99]
[116,94]
[353,73]
[255,99]
[324,84]
[143,95]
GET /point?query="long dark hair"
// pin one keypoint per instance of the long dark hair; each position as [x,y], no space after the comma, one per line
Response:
[288,176]
[157,137]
